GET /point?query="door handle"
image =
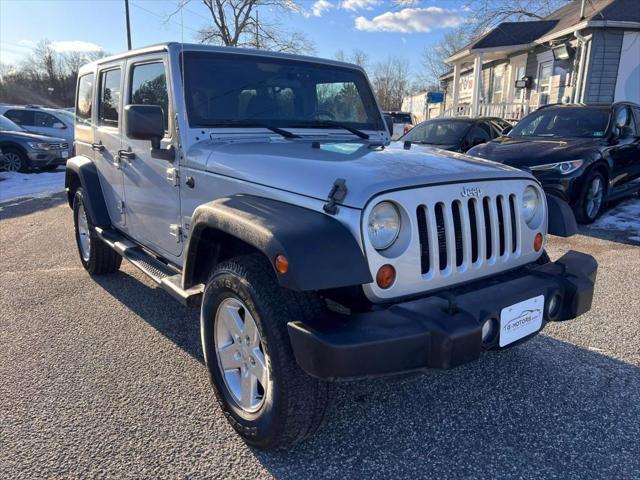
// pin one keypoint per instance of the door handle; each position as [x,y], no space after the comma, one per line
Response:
[97,147]
[128,154]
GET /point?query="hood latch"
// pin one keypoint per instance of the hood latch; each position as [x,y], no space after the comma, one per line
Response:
[336,195]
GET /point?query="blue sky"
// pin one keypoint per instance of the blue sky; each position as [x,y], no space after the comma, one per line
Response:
[379,27]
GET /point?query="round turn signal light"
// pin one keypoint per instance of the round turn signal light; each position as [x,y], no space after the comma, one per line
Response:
[537,242]
[281,263]
[386,276]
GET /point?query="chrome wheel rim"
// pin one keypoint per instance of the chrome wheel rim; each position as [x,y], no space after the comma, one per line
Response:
[241,355]
[595,194]
[12,162]
[84,237]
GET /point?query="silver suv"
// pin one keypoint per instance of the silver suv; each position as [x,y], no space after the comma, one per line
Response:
[263,189]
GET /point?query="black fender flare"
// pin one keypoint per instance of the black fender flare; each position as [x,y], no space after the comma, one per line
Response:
[321,251]
[81,170]
[561,219]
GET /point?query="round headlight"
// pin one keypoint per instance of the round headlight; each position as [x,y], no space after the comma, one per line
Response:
[383,225]
[530,203]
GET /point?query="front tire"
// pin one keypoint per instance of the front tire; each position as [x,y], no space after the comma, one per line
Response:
[592,198]
[96,256]
[13,160]
[262,391]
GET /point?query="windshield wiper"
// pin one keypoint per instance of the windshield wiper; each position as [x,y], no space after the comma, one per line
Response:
[331,123]
[279,131]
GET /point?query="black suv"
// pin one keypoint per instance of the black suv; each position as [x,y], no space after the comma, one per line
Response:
[585,154]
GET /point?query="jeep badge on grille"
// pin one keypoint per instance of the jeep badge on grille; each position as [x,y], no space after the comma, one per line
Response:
[471,192]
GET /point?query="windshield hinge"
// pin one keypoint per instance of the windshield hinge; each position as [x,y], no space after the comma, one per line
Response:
[336,195]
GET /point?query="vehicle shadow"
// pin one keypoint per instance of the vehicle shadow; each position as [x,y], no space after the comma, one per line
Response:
[544,409]
[620,222]
[179,324]
[25,206]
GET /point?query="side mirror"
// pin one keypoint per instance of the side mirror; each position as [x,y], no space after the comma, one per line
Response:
[59,126]
[506,130]
[388,119]
[145,122]
[625,132]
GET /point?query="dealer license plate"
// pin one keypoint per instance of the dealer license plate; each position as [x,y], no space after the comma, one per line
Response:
[521,319]
[65,153]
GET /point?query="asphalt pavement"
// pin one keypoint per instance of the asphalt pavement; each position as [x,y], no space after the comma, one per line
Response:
[104,378]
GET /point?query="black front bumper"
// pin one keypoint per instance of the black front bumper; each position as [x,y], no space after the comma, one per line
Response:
[438,331]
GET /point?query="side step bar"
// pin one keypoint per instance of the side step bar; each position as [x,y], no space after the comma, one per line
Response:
[164,275]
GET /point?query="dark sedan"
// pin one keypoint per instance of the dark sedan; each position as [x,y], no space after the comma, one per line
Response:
[586,155]
[456,134]
[22,150]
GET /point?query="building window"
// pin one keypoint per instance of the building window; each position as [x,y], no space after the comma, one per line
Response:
[497,77]
[545,71]
[518,93]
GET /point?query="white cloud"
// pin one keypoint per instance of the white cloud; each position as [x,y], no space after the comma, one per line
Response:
[27,43]
[75,46]
[358,4]
[321,6]
[411,20]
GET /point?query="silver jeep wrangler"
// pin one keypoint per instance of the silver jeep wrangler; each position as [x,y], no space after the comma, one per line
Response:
[264,189]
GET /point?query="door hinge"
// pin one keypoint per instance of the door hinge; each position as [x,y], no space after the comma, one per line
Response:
[172,176]
[121,207]
[175,230]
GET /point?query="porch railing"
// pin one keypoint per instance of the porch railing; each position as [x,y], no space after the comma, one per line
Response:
[512,112]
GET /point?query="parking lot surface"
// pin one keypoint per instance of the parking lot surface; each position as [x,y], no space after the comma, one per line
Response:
[104,377]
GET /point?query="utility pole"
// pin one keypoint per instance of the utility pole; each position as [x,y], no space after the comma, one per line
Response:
[257,32]
[126,10]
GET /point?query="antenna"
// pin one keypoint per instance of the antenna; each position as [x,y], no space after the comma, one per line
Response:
[126,11]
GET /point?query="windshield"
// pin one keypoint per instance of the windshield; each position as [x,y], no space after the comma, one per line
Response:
[230,90]
[8,126]
[438,132]
[563,122]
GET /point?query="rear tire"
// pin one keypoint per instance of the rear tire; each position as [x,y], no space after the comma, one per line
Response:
[592,199]
[96,256]
[290,405]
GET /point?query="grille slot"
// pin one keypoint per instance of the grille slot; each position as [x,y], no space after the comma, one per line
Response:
[467,233]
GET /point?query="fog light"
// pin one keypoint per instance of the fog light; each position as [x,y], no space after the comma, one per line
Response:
[554,305]
[537,242]
[489,330]
[386,276]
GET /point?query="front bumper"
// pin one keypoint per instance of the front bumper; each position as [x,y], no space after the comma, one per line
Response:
[438,331]
[44,158]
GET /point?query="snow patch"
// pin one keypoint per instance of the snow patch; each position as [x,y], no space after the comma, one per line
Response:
[623,217]
[15,185]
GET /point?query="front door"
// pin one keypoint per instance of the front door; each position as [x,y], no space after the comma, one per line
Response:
[150,184]
[107,141]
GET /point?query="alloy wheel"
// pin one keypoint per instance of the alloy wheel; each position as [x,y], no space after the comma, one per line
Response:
[84,235]
[11,162]
[595,195]
[241,355]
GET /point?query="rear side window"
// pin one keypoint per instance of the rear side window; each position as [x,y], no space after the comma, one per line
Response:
[149,87]
[21,117]
[45,120]
[84,100]
[479,133]
[109,106]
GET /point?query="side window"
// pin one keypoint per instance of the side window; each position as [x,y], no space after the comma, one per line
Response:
[84,99]
[109,102]
[45,120]
[477,132]
[149,87]
[636,112]
[23,118]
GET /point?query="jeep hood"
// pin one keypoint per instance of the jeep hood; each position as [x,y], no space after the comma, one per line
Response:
[296,166]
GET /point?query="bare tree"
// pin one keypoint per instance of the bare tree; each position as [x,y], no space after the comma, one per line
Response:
[482,16]
[236,23]
[357,56]
[390,81]
[46,77]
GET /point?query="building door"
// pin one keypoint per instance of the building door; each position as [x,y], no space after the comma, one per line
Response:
[545,70]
